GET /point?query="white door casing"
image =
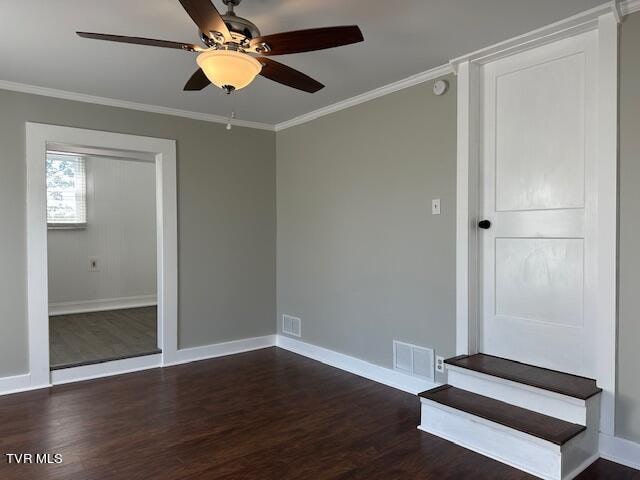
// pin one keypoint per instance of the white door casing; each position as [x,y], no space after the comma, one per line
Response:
[38,136]
[554,224]
[538,164]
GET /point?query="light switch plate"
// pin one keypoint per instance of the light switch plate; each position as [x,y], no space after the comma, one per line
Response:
[435,206]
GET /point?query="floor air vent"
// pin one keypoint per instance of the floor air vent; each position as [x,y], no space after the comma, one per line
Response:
[291,325]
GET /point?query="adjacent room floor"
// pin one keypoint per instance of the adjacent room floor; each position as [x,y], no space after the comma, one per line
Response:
[267,414]
[86,338]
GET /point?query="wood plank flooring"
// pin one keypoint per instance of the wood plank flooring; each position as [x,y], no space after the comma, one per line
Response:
[86,338]
[267,414]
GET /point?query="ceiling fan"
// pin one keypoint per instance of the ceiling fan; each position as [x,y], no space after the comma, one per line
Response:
[234,52]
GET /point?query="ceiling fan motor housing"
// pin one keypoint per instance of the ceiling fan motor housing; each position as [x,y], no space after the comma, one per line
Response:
[239,25]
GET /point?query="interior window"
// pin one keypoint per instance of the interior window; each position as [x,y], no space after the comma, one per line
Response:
[66,191]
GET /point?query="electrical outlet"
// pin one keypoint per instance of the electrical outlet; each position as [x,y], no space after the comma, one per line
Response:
[435,206]
[94,265]
[439,364]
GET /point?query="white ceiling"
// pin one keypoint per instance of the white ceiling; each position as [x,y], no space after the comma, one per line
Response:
[38,46]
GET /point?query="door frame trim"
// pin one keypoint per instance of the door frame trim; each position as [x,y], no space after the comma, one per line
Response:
[468,187]
[38,135]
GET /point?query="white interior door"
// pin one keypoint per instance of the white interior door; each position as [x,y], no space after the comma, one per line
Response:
[538,173]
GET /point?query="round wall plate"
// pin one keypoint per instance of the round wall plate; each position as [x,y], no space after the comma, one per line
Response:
[440,87]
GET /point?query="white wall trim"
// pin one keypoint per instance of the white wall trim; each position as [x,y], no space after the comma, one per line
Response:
[607,224]
[113,102]
[617,11]
[164,152]
[467,203]
[629,6]
[365,97]
[15,383]
[362,368]
[194,354]
[574,25]
[102,304]
[206,117]
[105,369]
[23,383]
[619,450]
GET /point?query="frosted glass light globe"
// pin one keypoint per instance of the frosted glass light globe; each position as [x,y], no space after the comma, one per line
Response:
[228,68]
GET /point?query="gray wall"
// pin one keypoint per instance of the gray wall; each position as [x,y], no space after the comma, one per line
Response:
[226,220]
[628,404]
[120,233]
[360,258]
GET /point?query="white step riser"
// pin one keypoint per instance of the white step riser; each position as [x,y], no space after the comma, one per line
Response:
[553,404]
[525,452]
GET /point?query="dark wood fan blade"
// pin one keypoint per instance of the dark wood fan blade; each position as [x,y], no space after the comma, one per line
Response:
[288,76]
[206,17]
[198,81]
[139,41]
[309,40]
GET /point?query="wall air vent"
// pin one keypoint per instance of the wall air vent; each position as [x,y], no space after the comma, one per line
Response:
[291,325]
[413,360]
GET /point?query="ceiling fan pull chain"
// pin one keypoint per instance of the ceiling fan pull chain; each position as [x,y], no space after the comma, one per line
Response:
[231,118]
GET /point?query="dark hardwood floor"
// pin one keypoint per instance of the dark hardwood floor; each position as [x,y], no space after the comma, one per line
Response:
[268,414]
[95,337]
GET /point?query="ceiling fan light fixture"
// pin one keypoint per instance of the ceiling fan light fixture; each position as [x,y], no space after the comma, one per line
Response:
[229,69]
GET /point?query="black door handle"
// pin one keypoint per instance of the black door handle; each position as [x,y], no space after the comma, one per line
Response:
[484,224]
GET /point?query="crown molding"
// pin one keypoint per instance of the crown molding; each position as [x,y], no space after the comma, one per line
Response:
[629,6]
[581,22]
[365,97]
[574,25]
[112,102]
[616,7]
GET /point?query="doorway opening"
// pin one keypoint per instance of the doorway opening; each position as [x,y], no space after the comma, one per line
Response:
[101,251]
[101,317]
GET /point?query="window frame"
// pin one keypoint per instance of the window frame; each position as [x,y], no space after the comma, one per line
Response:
[70,225]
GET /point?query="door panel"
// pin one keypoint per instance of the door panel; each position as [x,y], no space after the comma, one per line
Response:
[537,170]
[540,136]
[540,280]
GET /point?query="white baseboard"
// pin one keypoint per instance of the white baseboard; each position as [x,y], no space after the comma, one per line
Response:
[356,366]
[194,354]
[22,383]
[102,304]
[16,384]
[105,369]
[620,450]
